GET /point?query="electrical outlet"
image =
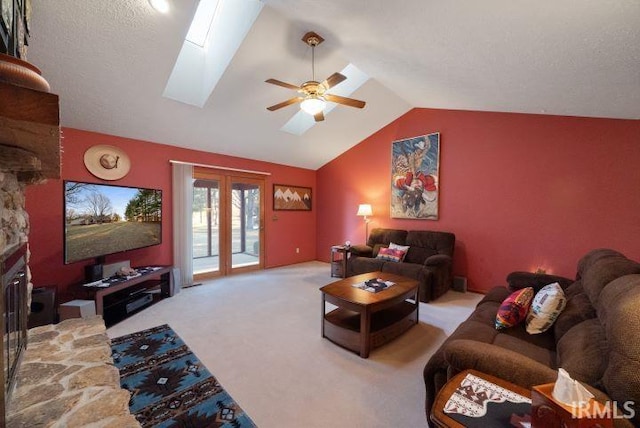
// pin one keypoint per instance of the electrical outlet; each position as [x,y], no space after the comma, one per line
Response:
[297,250]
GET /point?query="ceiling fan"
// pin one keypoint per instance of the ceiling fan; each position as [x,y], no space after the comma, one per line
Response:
[314,94]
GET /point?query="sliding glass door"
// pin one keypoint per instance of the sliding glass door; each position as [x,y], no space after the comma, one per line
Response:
[228,218]
[206,224]
[246,223]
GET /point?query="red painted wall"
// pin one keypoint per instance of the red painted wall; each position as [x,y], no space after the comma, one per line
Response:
[150,168]
[519,191]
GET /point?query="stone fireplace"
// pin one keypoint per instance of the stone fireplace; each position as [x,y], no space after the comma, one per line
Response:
[54,375]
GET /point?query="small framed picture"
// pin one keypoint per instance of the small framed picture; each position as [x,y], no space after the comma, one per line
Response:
[291,198]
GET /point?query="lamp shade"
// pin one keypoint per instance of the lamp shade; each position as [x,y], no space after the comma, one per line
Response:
[313,104]
[364,210]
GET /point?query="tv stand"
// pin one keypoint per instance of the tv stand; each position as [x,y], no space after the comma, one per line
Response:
[122,297]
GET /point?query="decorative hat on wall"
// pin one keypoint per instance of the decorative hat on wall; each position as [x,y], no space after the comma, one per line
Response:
[107,162]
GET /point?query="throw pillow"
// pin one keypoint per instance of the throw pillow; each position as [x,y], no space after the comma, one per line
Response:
[390,255]
[513,310]
[404,248]
[545,308]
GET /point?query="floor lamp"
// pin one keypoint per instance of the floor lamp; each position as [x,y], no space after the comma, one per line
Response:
[364,210]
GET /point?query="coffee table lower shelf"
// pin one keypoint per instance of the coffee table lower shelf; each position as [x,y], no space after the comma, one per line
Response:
[343,326]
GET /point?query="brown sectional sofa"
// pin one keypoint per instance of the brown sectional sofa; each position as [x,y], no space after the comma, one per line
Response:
[596,338]
[429,258]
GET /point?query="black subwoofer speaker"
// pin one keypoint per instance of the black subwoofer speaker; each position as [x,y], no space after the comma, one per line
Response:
[42,307]
[93,273]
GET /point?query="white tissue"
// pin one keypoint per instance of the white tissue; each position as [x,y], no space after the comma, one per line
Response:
[569,391]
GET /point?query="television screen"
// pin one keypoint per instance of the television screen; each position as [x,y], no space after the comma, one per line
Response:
[103,219]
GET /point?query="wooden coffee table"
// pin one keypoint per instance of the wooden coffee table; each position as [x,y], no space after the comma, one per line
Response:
[365,320]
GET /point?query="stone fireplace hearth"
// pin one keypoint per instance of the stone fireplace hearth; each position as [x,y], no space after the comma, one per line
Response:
[67,379]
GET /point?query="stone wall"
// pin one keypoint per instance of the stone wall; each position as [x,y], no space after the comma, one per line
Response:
[67,379]
[14,218]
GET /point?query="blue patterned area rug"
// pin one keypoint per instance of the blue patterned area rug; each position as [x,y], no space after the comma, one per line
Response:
[169,386]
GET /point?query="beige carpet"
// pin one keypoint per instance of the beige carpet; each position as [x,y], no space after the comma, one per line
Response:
[259,334]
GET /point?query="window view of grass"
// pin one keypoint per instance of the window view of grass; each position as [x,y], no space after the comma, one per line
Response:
[102,219]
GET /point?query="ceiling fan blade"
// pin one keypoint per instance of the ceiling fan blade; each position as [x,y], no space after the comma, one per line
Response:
[333,80]
[283,84]
[285,103]
[343,100]
[319,117]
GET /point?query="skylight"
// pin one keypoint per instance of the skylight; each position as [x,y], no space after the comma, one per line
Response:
[301,122]
[216,32]
[202,22]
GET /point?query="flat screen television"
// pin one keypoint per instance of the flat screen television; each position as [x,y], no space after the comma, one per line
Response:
[101,219]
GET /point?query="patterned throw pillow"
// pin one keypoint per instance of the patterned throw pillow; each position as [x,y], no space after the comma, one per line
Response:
[404,248]
[390,255]
[514,308]
[545,308]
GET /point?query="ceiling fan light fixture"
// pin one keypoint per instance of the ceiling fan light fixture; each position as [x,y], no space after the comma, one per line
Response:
[313,104]
[161,6]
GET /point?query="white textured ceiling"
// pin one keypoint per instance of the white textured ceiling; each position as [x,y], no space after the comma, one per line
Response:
[110,60]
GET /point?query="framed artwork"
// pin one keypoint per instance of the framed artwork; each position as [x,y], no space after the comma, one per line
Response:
[291,198]
[415,166]
[6,24]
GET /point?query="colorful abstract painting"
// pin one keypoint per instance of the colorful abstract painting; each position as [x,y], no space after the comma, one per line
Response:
[415,163]
[292,198]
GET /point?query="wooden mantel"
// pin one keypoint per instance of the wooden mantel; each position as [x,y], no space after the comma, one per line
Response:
[29,133]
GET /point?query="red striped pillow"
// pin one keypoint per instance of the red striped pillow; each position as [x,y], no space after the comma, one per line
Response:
[390,255]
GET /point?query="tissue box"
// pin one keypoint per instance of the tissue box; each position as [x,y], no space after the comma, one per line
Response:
[547,412]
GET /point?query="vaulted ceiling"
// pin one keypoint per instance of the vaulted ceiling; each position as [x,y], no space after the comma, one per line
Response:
[110,61]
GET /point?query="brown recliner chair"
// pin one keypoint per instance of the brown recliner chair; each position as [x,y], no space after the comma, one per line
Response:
[429,258]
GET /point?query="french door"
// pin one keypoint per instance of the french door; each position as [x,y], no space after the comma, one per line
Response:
[228,223]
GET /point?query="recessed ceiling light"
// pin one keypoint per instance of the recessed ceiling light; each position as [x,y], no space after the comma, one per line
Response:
[161,6]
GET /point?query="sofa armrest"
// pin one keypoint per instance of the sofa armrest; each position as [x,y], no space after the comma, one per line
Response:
[438,260]
[518,280]
[361,251]
[516,368]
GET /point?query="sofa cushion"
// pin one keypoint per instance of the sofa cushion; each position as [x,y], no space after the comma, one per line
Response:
[577,310]
[410,270]
[603,271]
[582,352]
[418,254]
[425,243]
[358,265]
[513,310]
[386,236]
[390,255]
[540,354]
[619,315]
[593,256]
[545,308]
